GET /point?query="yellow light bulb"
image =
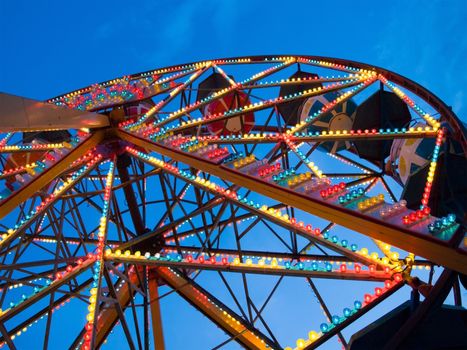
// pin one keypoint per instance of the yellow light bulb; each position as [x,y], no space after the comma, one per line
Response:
[300,343]
[312,335]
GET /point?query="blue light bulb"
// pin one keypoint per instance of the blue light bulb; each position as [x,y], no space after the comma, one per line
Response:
[335,319]
[452,218]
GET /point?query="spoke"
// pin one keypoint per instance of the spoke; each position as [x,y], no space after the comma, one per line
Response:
[108,317]
[325,308]
[306,231]
[224,92]
[45,310]
[341,135]
[57,283]
[156,318]
[260,106]
[96,290]
[48,202]
[119,309]
[216,311]
[355,315]
[169,98]
[237,265]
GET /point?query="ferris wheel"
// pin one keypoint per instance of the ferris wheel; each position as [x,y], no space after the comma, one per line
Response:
[286,199]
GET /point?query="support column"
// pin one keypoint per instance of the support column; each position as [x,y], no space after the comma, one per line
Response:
[156,318]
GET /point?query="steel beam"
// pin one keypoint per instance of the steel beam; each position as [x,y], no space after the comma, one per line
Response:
[219,314]
[168,227]
[300,230]
[38,182]
[326,336]
[156,318]
[130,196]
[9,313]
[263,254]
[324,138]
[290,256]
[108,317]
[253,269]
[45,310]
[423,245]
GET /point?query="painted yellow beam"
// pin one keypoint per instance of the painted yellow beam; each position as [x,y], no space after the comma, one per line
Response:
[253,269]
[221,317]
[108,317]
[156,318]
[422,245]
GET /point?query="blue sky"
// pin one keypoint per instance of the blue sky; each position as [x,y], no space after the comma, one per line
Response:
[49,49]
